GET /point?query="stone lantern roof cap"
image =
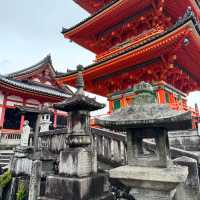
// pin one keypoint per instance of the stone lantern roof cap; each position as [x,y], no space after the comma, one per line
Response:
[147,116]
[79,101]
[147,113]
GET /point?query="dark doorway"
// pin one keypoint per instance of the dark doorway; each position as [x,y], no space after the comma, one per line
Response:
[32,118]
[12,119]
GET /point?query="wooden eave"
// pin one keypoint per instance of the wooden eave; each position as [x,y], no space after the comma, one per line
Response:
[144,51]
[24,91]
[30,94]
[109,16]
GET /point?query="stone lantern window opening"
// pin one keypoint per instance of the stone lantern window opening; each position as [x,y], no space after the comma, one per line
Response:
[136,153]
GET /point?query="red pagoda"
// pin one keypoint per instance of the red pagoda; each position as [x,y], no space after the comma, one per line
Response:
[153,41]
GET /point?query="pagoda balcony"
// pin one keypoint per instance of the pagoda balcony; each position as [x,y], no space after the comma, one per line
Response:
[130,43]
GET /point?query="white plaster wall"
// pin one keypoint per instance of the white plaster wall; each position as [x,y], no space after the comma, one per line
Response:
[12,103]
[36,80]
[48,83]
[31,105]
[15,98]
[32,101]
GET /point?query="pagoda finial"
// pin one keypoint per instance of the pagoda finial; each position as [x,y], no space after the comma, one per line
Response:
[79,80]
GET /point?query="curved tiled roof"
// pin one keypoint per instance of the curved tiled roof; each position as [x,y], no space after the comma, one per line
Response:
[65,30]
[46,60]
[33,87]
[107,6]
[189,16]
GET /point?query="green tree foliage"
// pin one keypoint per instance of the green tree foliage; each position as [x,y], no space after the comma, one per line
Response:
[21,192]
[5,179]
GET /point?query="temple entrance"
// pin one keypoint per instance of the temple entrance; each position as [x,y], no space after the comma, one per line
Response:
[12,119]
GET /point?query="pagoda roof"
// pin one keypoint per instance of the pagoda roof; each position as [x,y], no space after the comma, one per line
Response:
[92,6]
[98,22]
[34,68]
[153,45]
[32,87]
[78,102]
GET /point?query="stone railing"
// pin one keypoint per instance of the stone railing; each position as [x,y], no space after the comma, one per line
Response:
[111,146]
[54,141]
[187,140]
[11,138]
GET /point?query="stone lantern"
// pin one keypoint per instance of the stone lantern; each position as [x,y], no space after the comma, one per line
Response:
[151,176]
[77,177]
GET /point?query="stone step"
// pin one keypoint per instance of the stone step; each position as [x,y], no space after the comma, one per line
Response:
[46,198]
[5,156]
[4,152]
[3,164]
[4,161]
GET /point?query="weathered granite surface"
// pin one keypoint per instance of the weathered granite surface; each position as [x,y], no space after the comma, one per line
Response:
[87,188]
[76,162]
[193,175]
[35,180]
[163,179]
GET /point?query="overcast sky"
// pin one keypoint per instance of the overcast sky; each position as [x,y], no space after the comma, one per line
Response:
[30,29]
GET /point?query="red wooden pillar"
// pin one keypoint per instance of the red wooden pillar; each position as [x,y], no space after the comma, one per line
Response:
[22,121]
[2,117]
[22,116]
[171,98]
[123,102]
[55,119]
[110,106]
[161,96]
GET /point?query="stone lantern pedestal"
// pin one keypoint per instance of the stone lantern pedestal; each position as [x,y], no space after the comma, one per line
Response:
[150,182]
[77,177]
[150,175]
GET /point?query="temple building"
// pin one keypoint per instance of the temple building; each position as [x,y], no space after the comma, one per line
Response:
[152,41]
[23,92]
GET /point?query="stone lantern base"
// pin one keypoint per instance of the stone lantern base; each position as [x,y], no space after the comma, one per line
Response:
[149,182]
[86,188]
[79,162]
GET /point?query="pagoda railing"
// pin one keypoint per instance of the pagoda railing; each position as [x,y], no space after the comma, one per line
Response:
[10,137]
